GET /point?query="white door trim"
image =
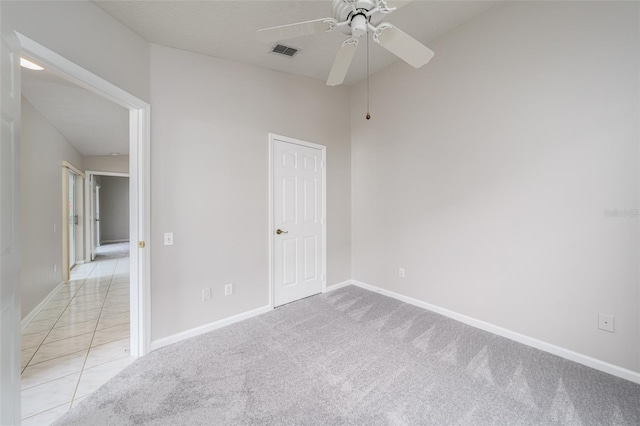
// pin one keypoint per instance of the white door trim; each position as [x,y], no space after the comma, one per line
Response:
[97,173]
[139,180]
[271,227]
[10,229]
[68,169]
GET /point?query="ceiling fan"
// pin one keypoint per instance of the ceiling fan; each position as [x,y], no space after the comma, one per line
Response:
[355,18]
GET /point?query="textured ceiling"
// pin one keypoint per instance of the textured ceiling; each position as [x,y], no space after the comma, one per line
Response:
[227,29]
[93,125]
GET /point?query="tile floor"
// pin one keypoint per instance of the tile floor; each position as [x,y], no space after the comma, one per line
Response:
[77,342]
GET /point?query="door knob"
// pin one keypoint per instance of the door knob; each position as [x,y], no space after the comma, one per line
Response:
[280,231]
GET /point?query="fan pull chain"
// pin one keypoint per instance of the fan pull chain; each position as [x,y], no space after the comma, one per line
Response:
[368,115]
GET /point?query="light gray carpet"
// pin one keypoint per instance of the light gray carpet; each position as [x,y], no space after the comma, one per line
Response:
[353,357]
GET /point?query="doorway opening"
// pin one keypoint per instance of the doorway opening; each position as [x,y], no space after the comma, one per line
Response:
[107,214]
[126,281]
[139,172]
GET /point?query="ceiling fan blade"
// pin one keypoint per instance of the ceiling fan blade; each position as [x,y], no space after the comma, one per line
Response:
[402,45]
[299,29]
[342,62]
[398,4]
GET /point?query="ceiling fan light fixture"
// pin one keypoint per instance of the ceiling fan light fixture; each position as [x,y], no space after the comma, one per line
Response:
[359,25]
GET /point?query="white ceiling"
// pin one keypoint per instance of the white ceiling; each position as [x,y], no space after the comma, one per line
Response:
[92,124]
[227,29]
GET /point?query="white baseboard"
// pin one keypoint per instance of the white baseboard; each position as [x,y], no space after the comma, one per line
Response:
[174,338]
[35,311]
[338,285]
[491,328]
[512,335]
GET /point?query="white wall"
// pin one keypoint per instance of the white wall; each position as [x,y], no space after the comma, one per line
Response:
[114,209]
[487,173]
[107,163]
[209,169]
[43,150]
[86,35]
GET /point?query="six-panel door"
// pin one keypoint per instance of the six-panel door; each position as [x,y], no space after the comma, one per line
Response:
[297,213]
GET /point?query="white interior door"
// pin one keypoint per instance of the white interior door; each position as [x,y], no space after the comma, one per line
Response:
[9,228]
[97,221]
[78,208]
[298,200]
[93,217]
[72,220]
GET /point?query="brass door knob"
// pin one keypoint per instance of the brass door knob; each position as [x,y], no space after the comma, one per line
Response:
[280,231]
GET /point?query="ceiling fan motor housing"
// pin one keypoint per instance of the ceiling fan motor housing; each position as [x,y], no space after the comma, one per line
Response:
[358,25]
[342,11]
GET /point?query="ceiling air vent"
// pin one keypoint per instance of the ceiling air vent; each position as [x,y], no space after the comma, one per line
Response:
[284,50]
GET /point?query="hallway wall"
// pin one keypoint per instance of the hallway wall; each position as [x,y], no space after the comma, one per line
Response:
[43,150]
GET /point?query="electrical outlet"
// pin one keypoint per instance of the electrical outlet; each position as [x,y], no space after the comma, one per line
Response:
[168,238]
[206,294]
[401,272]
[228,289]
[605,322]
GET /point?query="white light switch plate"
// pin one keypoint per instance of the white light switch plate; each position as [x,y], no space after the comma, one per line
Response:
[168,238]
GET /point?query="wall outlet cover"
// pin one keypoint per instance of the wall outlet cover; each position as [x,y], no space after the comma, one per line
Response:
[606,322]
[206,294]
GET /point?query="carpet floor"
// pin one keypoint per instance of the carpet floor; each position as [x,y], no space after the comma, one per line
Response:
[354,357]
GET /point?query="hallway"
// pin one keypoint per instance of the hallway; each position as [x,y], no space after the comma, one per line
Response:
[79,340]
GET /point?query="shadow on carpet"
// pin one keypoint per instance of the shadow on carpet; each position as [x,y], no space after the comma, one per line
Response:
[359,358]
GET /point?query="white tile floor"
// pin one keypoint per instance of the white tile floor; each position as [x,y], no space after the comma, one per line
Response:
[77,342]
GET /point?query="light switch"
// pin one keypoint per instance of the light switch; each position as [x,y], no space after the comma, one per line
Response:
[168,238]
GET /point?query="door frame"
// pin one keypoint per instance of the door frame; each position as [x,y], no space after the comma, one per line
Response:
[89,212]
[67,170]
[271,228]
[139,180]
[10,231]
